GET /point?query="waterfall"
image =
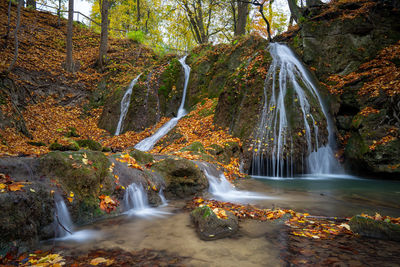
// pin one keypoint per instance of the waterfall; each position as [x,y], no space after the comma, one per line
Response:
[149,142]
[126,100]
[136,202]
[222,189]
[162,197]
[64,227]
[278,139]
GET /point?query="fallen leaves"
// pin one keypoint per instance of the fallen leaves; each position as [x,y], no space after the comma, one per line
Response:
[6,184]
[301,224]
[108,204]
[379,217]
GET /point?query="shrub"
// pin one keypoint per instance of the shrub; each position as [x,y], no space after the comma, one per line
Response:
[137,36]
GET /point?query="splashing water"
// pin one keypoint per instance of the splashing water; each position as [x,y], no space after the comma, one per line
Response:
[149,142]
[64,228]
[126,100]
[289,85]
[136,203]
[223,190]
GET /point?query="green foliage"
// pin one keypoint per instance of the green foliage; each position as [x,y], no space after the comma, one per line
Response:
[90,144]
[137,36]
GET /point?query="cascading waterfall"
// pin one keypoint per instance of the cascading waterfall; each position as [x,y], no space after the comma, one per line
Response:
[162,197]
[288,85]
[64,227]
[126,100]
[136,202]
[223,190]
[149,142]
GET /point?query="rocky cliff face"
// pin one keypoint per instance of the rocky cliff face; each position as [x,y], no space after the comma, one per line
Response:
[345,45]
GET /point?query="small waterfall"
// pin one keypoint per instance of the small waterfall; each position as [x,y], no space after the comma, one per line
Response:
[64,227]
[289,85]
[162,197]
[136,202]
[223,190]
[149,142]
[126,100]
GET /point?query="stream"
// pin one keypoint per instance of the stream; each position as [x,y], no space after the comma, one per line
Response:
[258,243]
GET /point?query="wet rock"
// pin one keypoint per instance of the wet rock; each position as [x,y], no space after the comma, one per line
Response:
[210,226]
[141,157]
[182,177]
[26,217]
[376,229]
[86,174]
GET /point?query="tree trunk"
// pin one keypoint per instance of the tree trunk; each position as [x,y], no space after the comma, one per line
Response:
[59,13]
[20,3]
[261,10]
[138,10]
[243,11]
[294,10]
[31,4]
[8,19]
[104,34]
[69,62]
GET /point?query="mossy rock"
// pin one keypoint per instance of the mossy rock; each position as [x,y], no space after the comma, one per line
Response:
[36,144]
[89,144]
[72,132]
[210,227]
[182,177]
[141,157]
[376,229]
[195,147]
[86,174]
[70,147]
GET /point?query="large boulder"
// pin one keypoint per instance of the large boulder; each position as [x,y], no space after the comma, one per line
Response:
[377,229]
[211,226]
[84,173]
[182,177]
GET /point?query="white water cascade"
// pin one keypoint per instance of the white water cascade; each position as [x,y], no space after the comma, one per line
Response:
[136,203]
[126,100]
[149,142]
[288,85]
[223,190]
[64,227]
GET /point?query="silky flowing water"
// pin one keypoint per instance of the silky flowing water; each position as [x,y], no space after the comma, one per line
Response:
[149,142]
[125,102]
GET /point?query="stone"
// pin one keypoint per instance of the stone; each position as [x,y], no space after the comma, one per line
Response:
[210,227]
[376,229]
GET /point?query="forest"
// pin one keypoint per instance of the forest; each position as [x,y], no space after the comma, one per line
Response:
[199,133]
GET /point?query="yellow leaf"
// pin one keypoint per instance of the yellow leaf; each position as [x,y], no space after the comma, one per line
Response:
[32,190]
[97,261]
[85,161]
[71,194]
[84,156]
[2,186]
[70,199]
[15,187]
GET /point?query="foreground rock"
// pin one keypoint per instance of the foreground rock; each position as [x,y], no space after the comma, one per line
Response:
[210,226]
[376,229]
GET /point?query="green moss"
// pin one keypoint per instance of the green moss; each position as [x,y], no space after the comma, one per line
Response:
[169,77]
[195,147]
[36,144]
[84,172]
[141,157]
[72,132]
[90,144]
[60,147]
